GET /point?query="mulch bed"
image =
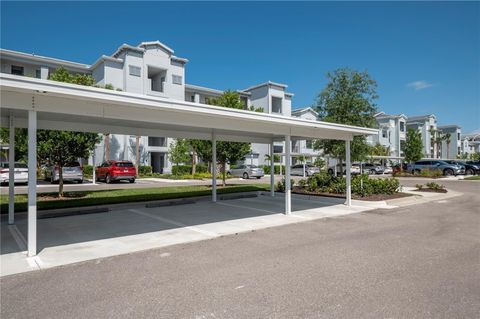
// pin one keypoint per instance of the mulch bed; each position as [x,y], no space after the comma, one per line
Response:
[371,198]
[431,190]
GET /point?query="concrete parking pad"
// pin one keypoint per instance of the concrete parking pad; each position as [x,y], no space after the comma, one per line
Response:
[67,240]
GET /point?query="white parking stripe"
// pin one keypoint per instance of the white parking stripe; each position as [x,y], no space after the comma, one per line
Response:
[169,221]
[246,207]
[18,237]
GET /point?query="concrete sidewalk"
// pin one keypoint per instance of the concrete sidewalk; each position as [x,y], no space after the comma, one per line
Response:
[72,239]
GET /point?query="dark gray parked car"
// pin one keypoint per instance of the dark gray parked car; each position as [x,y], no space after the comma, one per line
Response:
[433,164]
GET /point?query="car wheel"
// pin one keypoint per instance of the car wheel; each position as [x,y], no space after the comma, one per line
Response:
[469,171]
[132,180]
[108,179]
[448,172]
[245,175]
[372,172]
[258,177]
[80,181]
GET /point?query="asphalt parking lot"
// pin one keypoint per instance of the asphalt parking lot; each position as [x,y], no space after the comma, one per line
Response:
[420,261]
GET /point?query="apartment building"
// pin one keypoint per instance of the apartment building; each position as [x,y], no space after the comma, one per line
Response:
[391,133]
[427,126]
[452,147]
[152,69]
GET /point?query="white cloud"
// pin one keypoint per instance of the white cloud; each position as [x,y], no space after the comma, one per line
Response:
[419,85]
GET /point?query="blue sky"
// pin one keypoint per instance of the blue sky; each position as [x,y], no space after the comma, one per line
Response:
[424,56]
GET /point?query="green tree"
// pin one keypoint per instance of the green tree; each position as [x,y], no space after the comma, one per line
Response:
[21,142]
[349,98]
[229,152]
[448,139]
[413,146]
[61,148]
[62,75]
[379,150]
[179,151]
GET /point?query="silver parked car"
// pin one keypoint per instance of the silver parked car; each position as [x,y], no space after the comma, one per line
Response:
[309,170]
[20,172]
[71,173]
[246,171]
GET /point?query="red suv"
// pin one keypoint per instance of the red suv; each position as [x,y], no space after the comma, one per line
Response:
[111,171]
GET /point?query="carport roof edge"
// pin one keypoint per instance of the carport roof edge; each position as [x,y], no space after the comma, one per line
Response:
[280,125]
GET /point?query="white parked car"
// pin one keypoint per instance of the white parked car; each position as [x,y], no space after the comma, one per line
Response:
[20,173]
[309,170]
[388,170]
[354,169]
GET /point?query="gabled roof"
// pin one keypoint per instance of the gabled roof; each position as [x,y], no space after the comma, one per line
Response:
[449,126]
[420,117]
[157,43]
[304,110]
[383,115]
[268,83]
[125,47]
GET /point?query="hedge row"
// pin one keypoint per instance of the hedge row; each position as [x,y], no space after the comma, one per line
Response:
[187,169]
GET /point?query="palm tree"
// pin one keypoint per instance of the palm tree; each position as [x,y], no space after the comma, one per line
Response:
[447,137]
[433,134]
[438,140]
[106,143]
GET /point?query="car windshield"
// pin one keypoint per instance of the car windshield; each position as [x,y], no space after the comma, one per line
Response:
[124,164]
[252,166]
[73,164]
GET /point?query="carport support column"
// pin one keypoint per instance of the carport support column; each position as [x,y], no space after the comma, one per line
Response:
[11,172]
[214,167]
[288,191]
[32,183]
[272,171]
[348,200]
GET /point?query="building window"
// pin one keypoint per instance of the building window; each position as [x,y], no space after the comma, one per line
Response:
[157,141]
[17,70]
[38,74]
[384,133]
[309,144]
[192,98]
[177,79]
[134,70]
[276,104]
[458,136]
[402,126]
[277,148]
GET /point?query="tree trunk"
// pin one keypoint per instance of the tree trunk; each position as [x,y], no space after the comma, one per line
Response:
[137,154]
[224,164]
[194,162]
[106,143]
[60,181]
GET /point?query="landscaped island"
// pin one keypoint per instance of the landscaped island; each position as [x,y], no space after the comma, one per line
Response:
[363,187]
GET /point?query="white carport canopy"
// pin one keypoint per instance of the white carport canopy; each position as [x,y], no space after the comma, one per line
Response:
[37,103]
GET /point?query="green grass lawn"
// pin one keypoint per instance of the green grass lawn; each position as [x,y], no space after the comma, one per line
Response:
[93,198]
[472,178]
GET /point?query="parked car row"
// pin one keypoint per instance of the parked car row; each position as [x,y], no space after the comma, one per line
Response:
[447,169]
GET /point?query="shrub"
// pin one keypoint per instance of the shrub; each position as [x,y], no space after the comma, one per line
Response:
[419,186]
[435,186]
[281,185]
[88,170]
[302,183]
[187,169]
[431,173]
[144,170]
[361,185]
[266,169]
